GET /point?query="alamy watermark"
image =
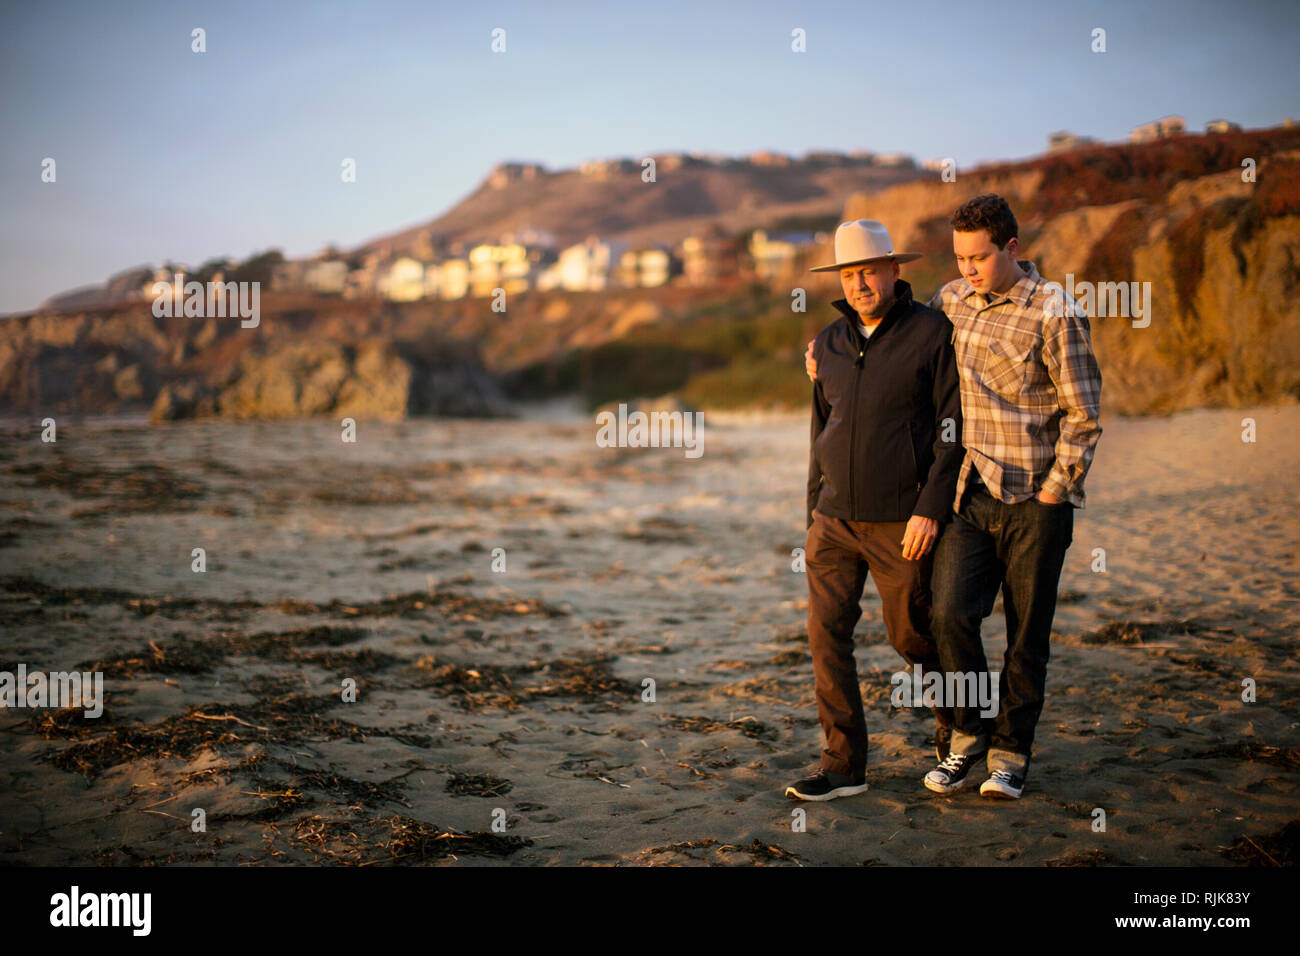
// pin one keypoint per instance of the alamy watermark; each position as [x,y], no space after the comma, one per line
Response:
[1125,300]
[651,430]
[75,908]
[56,689]
[199,300]
[946,689]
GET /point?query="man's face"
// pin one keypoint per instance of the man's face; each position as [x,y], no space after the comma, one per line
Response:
[869,287]
[988,268]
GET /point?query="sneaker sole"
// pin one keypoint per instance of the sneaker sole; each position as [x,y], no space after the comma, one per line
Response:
[822,797]
[945,788]
[997,793]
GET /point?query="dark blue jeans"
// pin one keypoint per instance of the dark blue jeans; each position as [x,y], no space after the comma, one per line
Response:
[1019,548]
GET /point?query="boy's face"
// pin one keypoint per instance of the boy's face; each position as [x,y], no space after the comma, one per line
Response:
[988,268]
[869,287]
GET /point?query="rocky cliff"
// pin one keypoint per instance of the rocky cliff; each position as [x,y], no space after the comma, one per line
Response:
[1221,254]
[301,361]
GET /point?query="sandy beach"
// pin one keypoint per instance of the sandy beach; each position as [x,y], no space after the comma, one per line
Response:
[516,695]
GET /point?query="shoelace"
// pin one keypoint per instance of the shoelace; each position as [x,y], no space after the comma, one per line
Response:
[952,763]
[1003,775]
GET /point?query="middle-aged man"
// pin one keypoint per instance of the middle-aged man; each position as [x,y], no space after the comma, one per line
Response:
[1031,397]
[882,473]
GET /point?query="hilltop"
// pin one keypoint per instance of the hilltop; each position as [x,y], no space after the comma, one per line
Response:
[690,193]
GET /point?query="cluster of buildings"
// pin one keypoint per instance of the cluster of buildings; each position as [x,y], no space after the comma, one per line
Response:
[531,260]
[1162,128]
[1175,126]
[1062,140]
[1146,133]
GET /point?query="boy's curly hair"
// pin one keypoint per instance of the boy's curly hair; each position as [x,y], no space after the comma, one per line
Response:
[989,212]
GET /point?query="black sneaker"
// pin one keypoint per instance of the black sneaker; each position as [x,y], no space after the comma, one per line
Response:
[942,743]
[953,773]
[1003,785]
[826,785]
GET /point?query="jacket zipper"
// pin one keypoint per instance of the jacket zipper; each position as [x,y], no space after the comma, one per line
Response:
[853,417]
[911,446]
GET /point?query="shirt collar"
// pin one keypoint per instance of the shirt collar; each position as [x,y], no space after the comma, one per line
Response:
[1021,293]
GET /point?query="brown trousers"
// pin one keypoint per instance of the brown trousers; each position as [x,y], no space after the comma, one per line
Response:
[838,555]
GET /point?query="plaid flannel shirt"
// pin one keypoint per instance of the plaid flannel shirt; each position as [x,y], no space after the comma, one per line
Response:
[1030,388]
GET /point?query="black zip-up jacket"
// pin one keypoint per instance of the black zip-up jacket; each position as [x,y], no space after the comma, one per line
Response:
[878,416]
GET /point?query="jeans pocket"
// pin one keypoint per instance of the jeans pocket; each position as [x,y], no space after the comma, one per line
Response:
[1055,520]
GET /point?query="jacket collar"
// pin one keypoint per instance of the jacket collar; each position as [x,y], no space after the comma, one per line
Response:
[902,306]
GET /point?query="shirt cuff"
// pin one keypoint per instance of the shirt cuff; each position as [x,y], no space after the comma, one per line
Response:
[1053,484]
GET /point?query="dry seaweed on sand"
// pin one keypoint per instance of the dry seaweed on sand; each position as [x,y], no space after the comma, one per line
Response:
[337,785]
[68,723]
[588,679]
[456,607]
[10,529]
[290,719]
[473,688]
[200,656]
[184,735]
[749,726]
[447,674]
[48,595]
[276,642]
[757,851]
[477,785]
[1092,857]
[187,657]
[1288,758]
[1145,632]
[1281,848]
[139,486]
[292,785]
[791,658]
[396,839]
[356,660]
[444,604]
[683,847]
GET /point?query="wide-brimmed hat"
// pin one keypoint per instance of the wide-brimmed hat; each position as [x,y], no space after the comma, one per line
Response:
[863,240]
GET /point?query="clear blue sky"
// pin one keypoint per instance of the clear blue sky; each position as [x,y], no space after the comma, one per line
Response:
[166,154]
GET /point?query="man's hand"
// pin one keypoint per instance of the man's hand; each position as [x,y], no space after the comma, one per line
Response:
[810,363]
[919,538]
[1047,498]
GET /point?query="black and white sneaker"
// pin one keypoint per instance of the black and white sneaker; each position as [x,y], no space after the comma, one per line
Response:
[826,785]
[953,773]
[1003,785]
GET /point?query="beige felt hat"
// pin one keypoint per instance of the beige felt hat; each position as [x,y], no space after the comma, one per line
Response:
[862,241]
